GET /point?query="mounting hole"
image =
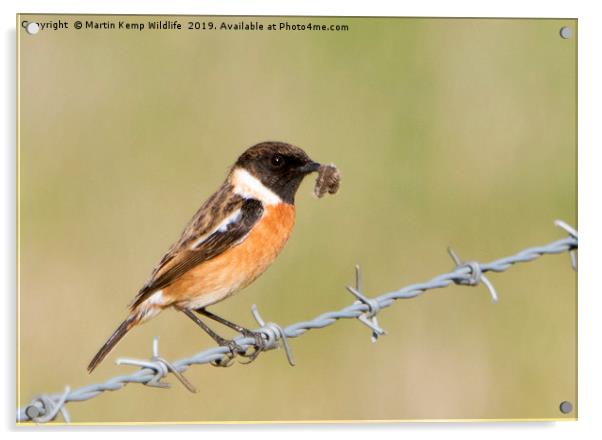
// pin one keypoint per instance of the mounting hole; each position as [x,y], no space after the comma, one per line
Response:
[33,411]
[32,28]
[566,32]
[566,407]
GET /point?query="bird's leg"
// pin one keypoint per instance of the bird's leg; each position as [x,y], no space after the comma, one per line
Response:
[233,346]
[259,341]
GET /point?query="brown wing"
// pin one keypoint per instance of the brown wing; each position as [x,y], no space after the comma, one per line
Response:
[232,217]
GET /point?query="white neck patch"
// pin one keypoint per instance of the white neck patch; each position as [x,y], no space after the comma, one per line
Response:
[250,187]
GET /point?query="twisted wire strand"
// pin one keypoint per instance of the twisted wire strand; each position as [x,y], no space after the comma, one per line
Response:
[44,405]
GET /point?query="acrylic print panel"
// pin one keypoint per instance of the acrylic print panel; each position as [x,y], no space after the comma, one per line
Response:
[446,132]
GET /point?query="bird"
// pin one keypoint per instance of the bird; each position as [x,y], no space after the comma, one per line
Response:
[231,240]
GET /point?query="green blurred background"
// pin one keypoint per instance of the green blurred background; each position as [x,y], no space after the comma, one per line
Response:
[446,131]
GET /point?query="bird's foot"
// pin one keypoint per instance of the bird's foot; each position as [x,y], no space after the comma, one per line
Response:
[228,358]
[258,346]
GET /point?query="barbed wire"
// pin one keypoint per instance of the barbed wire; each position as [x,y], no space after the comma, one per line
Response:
[45,408]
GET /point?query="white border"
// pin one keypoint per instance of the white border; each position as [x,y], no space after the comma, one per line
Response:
[590,223]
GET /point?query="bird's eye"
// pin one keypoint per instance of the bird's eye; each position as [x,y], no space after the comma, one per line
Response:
[277,161]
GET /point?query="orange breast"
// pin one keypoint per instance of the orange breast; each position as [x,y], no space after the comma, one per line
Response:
[216,279]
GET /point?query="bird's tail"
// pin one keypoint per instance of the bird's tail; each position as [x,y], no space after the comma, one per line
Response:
[123,328]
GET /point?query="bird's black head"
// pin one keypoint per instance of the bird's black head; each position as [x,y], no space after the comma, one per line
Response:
[279,166]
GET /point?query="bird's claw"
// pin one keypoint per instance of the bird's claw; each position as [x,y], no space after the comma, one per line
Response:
[258,347]
[228,358]
[236,350]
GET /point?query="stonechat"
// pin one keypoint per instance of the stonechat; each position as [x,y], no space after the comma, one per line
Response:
[231,240]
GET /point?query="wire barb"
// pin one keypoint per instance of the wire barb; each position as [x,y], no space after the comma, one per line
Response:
[273,333]
[44,408]
[573,233]
[475,275]
[161,366]
[369,318]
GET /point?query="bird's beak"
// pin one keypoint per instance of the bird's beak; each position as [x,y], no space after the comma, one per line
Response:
[309,167]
